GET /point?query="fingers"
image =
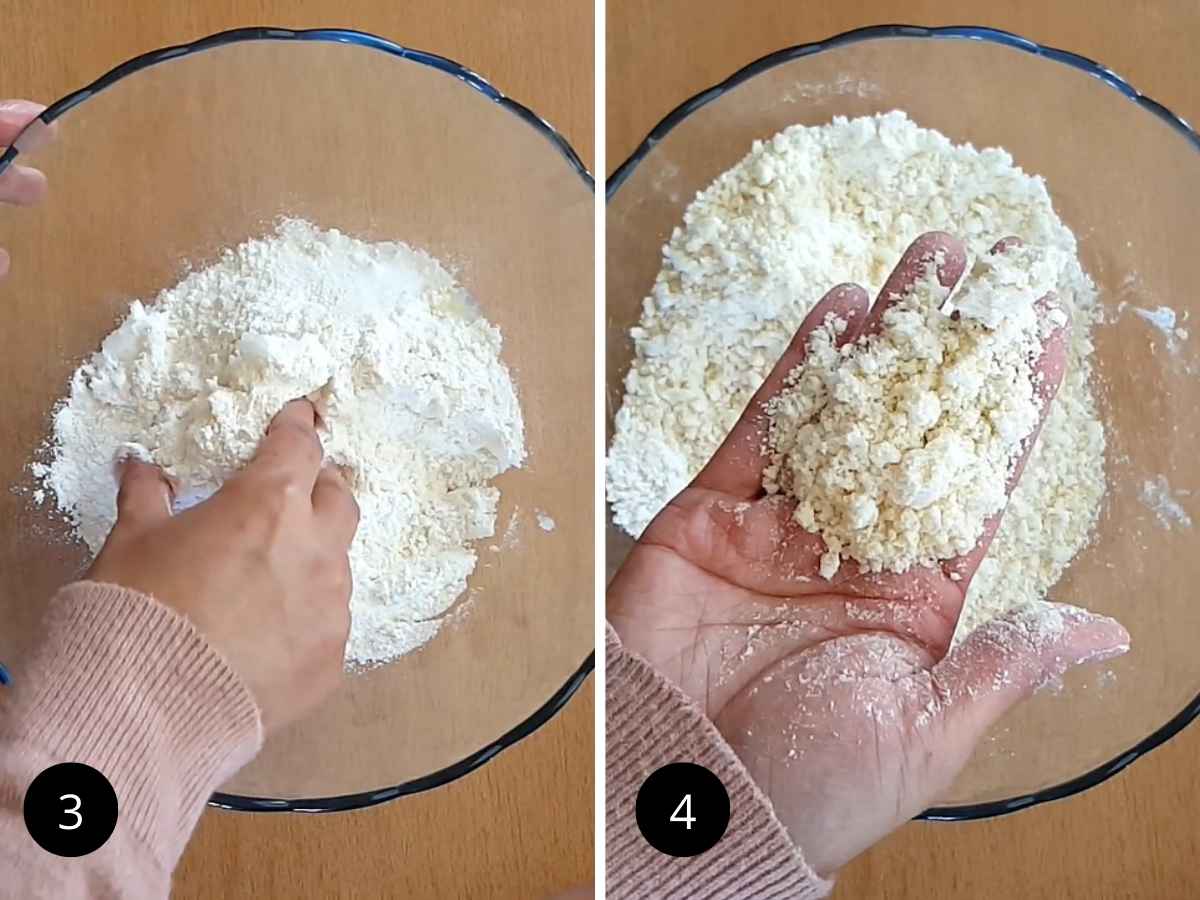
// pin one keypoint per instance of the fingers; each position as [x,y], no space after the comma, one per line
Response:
[291,447]
[144,495]
[1009,658]
[14,116]
[1006,243]
[757,546]
[334,505]
[1051,363]
[22,186]
[292,451]
[934,247]
[1048,370]
[737,466]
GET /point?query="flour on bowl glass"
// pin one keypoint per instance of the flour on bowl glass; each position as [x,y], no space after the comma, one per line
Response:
[417,408]
[805,210]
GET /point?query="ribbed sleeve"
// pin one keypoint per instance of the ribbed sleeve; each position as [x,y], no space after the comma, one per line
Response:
[651,723]
[128,686]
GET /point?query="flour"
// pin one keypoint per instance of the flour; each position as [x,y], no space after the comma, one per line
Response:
[1158,497]
[417,408]
[1163,318]
[805,210]
[897,446]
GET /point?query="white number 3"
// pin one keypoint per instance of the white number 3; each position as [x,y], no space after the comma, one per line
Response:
[685,806]
[74,811]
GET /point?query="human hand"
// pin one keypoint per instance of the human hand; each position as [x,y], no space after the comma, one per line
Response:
[841,697]
[260,568]
[19,185]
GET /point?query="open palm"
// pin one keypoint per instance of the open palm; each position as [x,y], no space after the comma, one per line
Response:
[839,695]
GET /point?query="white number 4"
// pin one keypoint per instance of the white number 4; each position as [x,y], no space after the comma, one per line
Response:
[73,811]
[685,806]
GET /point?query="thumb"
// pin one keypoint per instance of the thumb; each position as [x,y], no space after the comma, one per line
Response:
[1010,657]
[144,496]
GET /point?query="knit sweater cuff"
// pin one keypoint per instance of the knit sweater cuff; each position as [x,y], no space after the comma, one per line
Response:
[651,723]
[127,685]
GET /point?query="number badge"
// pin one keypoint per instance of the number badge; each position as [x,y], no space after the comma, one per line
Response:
[70,809]
[682,809]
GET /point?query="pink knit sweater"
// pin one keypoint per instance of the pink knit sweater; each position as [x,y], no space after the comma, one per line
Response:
[650,723]
[126,685]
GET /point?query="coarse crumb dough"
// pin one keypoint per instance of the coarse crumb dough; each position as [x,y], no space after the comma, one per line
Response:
[897,446]
[809,208]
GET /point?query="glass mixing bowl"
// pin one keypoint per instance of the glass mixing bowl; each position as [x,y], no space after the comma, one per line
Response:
[177,154]
[1124,174]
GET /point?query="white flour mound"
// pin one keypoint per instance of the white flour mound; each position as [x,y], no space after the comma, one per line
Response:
[897,446]
[808,209]
[418,409]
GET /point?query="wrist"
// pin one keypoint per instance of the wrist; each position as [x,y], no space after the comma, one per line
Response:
[128,686]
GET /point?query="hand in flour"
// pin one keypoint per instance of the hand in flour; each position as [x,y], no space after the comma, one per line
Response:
[842,696]
[19,185]
[261,567]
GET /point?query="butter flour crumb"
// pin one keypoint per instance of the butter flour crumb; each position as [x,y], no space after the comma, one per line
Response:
[897,446]
[417,408]
[809,208]
[545,522]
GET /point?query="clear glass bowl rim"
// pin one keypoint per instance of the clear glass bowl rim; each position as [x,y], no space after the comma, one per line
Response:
[1173,726]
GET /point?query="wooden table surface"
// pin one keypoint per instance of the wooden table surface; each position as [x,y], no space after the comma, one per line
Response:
[522,826]
[1136,835]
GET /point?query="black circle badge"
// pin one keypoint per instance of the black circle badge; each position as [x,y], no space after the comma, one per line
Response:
[70,809]
[682,809]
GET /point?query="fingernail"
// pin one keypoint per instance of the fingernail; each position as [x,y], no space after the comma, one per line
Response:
[22,107]
[319,404]
[1091,637]
[1103,654]
[1062,664]
[120,461]
[127,452]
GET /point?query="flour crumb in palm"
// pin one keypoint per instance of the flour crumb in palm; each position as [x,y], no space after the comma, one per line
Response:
[897,446]
[809,208]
